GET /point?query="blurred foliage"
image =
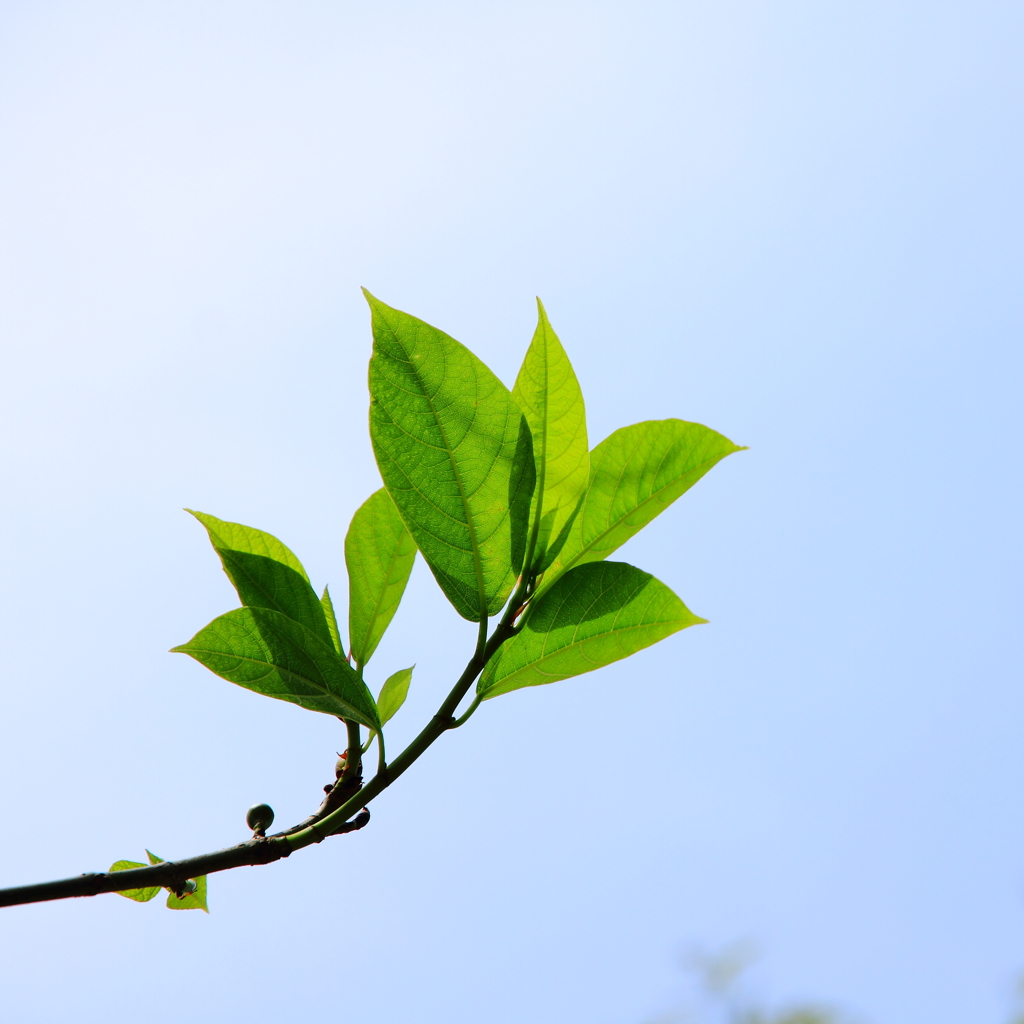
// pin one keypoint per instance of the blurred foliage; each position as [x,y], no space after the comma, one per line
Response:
[718,995]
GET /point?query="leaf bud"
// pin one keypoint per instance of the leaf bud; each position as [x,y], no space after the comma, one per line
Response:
[259,818]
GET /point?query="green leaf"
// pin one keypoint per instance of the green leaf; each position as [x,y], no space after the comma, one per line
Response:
[549,395]
[139,895]
[191,901]
[236,537]
[263,580]
[379,553]
[393,693]
[271,654]
[635,474]
[455,454]
[594,615]
[332,621]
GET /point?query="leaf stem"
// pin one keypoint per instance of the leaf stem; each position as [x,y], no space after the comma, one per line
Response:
[354,758]
[465,716]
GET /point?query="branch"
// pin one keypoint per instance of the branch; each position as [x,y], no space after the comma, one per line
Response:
[170,874]
[329,820]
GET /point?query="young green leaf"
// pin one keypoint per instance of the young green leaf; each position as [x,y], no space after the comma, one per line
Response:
[263,581]
[236,537]
[455,454]
[393,693]
[549,395]
[139,895]
[271,654]
[594,615]
[332,620]
[636,473]
[190,901]
[379,553]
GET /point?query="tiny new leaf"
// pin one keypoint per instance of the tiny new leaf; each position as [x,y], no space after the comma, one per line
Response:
[455,455]
[595,614]
[139,895]
[379,553]
[266,580]
[550,397]
[190,901]
[393,693]
[271,654]
[332,620]
[635,474]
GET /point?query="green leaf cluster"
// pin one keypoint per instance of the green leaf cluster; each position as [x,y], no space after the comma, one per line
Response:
[510,508]
[195,900]
[497,486]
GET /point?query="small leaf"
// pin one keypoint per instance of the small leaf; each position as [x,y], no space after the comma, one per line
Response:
[139,895]
[271,654]
[263,581]
[594,615]
[332,621]
[393,693]
[379,553]
[191,901]
[550,397]
[455,454]
[635,474]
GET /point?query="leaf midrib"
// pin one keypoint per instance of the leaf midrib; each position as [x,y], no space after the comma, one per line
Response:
[282,670]
[541,464]
[576,643]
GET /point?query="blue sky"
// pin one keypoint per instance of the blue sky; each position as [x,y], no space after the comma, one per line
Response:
[798,223]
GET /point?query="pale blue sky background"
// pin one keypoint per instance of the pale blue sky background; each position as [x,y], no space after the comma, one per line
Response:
[797,222]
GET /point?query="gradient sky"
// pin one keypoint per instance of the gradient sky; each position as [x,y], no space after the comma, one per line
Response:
[797,222]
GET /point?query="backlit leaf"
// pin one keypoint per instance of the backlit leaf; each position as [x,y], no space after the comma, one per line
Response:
[393,693]
[454,451]
[139,895]
[635,474]
[237,537]
[549,395]
[191,901]
[594,615]
[332,620]
[379,553]
[271,654]
[263,581]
